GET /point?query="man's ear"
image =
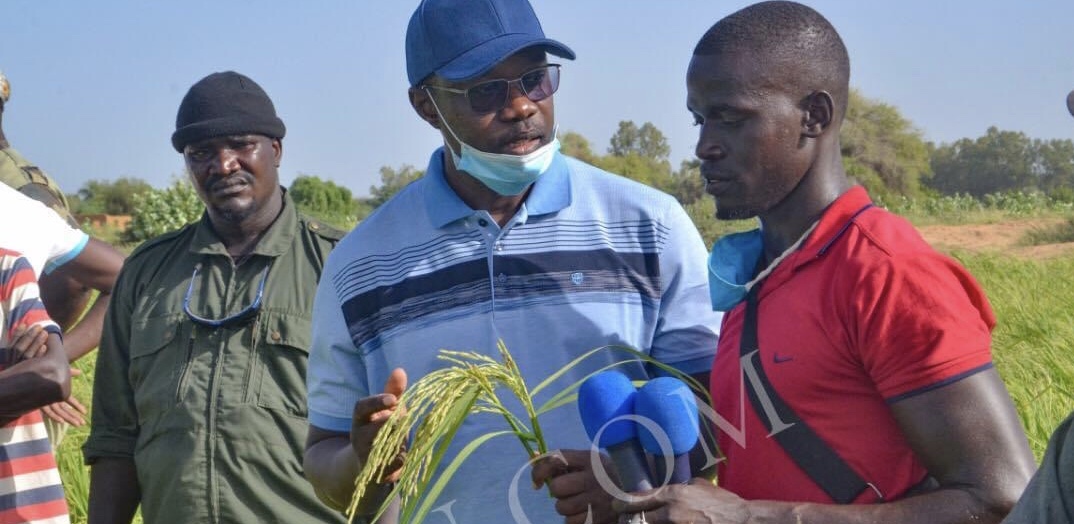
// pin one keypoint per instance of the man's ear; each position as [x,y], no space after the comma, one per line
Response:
[277,150]
[423,106]
[819,114]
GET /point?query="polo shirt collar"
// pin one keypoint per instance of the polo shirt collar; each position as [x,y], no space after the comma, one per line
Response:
[551,192]
[833,223]
[276,241]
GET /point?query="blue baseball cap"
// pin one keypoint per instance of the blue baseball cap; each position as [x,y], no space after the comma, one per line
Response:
[463,39]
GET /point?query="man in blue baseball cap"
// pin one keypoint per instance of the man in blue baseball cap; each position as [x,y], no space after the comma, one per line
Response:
[503,238]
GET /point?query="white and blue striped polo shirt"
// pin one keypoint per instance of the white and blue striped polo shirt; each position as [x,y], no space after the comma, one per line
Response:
[590,259]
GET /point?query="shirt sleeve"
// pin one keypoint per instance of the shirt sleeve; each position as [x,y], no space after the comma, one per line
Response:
[51,242]
[114,423]
[70,244]
[336,376]
[925,322]
[688,327]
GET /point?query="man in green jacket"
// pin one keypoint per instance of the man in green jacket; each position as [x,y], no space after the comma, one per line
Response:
[199,405]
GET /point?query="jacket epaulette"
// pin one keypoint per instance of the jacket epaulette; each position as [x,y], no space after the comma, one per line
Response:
[321,229]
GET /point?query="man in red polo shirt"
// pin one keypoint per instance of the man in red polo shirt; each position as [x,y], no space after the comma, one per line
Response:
[853,381]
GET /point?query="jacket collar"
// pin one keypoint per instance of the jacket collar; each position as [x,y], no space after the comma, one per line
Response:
[276,241]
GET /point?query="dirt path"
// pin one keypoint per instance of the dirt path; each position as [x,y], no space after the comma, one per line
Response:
[1005,237]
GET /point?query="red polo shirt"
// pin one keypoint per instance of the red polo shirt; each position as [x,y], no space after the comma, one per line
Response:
[863,315]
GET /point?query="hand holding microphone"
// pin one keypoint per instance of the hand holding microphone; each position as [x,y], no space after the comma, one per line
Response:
[614,420]
[579,479]
[665,423]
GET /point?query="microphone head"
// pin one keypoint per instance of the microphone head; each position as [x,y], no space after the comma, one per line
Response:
[669,403]
[1070,103]
[603,397]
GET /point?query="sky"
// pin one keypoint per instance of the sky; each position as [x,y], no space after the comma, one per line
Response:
[96,85]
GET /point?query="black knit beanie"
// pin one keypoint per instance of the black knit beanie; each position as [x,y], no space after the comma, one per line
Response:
[224,104]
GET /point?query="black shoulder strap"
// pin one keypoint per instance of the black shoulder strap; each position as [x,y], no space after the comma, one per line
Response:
[818,460]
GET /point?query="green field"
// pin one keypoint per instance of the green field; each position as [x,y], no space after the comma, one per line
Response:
[1032,345]
[1033,340]
[69,455]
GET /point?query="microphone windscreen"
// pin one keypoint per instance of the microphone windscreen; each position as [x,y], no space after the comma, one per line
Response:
[669,403]
[603,397]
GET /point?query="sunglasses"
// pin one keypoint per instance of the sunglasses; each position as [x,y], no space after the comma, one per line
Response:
[247,313]
[492,96]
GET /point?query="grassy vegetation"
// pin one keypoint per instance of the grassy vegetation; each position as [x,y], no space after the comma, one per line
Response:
[1031,344]
[965,209]
[69,455]
[1033,337]
[945,210]
[1063,232]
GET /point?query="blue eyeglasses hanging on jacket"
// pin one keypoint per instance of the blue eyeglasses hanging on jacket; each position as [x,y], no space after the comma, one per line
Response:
[247,313]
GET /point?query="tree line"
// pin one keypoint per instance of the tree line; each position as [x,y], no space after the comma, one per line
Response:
[881,149]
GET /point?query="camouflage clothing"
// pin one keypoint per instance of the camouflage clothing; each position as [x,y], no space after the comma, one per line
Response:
[31,181]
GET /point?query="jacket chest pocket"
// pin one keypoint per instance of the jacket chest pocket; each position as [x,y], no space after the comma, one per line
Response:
[159,364]
[279,377]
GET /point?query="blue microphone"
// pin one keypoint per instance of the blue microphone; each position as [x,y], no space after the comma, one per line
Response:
[668,403]
[601,399]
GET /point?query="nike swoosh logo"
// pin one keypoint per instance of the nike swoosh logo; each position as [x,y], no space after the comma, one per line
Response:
[779,360]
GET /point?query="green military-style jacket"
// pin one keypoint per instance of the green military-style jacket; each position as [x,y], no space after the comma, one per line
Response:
[214,418]
[30,180]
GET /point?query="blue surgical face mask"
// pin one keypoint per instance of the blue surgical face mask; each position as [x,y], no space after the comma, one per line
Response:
[733,266]
[732,263]
[507,175]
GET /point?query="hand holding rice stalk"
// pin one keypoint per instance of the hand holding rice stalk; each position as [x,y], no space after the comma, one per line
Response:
[436,406]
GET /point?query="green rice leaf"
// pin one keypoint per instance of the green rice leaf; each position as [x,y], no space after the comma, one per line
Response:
[571,392]
[557,402]
[458,414]
[570,365]
[434,492]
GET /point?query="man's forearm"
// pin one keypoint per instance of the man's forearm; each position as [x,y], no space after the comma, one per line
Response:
[331,467]
[30,384]
[86,335]
[114,491]
[944,506]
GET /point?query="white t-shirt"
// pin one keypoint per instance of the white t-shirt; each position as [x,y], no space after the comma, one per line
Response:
[31,228]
